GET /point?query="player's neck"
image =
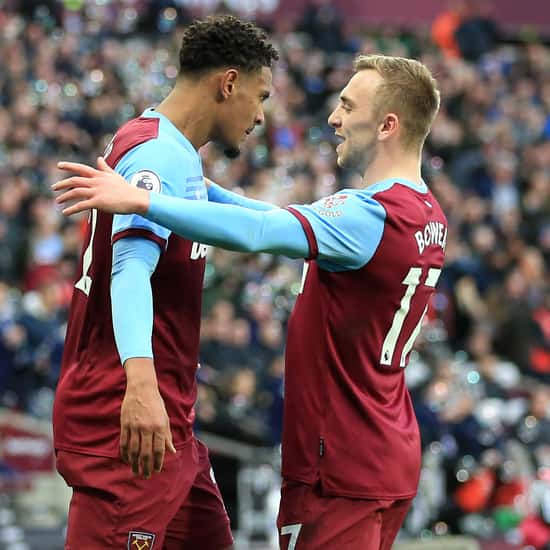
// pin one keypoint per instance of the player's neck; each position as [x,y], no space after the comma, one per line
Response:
[384,166]
[188,111]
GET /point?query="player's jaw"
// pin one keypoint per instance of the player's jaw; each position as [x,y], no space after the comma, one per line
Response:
[232,148]
[356,150]
[340,149]
[229,137]
[345,150]
[243,135]
[237,127]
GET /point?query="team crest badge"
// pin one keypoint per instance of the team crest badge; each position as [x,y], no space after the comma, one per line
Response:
[334,200]
[138,540]
[146,179]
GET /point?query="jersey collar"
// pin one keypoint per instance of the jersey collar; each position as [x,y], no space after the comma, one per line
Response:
[384,185]
[178,136]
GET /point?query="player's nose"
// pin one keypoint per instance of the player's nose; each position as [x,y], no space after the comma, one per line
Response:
[334,120]
[260,117]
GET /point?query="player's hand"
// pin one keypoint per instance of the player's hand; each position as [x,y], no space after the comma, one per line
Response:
[100,188]
[144,424]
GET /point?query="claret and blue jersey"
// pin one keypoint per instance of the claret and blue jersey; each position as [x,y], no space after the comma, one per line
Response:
[349,421]
[145,259]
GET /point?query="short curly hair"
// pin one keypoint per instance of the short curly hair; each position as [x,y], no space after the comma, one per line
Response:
[224,41]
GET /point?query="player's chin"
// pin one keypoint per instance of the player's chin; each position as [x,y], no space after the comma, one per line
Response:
[231,151]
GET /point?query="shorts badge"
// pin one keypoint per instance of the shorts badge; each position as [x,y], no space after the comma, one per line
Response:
[138,540]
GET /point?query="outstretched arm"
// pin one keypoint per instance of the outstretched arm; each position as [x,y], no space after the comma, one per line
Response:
[216,193]
[228,226]
[233,227]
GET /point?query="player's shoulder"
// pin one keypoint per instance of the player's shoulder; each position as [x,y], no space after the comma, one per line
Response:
[130,135]
[408,202]
[150,138]
[340,207]
[343,197]
[400,193]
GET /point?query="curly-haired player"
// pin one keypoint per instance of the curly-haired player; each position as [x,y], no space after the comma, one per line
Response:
[127,385]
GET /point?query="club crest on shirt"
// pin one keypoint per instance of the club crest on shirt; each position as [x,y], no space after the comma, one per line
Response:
[329,206]
[138,540]
[333,201]
[146,179]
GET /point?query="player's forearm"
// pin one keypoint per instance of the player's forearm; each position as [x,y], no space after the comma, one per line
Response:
[216,193]
[132,300]
[132,310]
[229,226]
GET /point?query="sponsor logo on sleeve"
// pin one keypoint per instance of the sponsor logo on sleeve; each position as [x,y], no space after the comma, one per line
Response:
[146,179]
[330,206]
[137,540]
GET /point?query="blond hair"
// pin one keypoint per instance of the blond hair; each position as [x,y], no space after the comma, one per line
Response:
[409,90]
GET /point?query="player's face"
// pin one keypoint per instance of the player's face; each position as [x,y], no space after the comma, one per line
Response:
[244,110]
[355,121]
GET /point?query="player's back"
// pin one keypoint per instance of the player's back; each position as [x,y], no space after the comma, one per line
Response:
[349,420]
[150,153]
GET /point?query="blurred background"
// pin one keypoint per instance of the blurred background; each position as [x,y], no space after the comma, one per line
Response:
[73,71]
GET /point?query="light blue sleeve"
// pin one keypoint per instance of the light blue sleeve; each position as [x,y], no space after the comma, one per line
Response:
[229,226]
[134,261]
[161,166]
[216,193]
[348,228]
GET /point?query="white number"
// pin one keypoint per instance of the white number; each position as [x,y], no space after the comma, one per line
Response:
[412,280]
[85,282]
[292,530]
[304,276]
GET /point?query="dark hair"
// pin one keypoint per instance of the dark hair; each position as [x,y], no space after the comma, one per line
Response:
[224,41]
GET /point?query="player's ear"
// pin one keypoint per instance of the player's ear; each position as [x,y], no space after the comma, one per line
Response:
[228,82]
[388,126]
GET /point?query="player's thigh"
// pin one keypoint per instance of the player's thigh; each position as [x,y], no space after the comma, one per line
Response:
[202,521]
[92,520]
[111,508]
[392,520]
[310,521]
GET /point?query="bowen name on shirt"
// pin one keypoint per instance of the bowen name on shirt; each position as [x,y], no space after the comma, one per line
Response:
[434,234]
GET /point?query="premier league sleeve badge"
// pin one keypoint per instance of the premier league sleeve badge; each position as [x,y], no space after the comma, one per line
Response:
[146,179]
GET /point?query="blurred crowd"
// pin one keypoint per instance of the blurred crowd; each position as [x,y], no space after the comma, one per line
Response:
[72,72]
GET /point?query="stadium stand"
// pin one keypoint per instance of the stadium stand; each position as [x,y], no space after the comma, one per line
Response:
[72,72]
